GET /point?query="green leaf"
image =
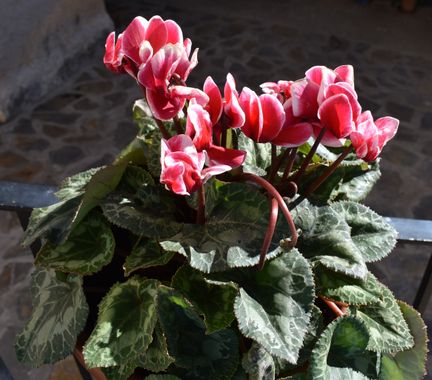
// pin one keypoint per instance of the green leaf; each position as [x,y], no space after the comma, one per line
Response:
[127,317]
[74,185]
[409,364]
[233,234]
[211,189]
[202,356]
[59,315]
[325,238]
[258,157]
[274,305]
[315,329]
[339,287]
[89,247]
[146,253]
[53,222]
[215,302]
[386,325]
[372,235]
[258,363]
[142,115]
[352,180]
[121,372]
[134,178]
[150,213]
[156,358]
[162,377]
[341,352]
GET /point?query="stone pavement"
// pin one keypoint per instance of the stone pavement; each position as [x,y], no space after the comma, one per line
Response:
[87,120]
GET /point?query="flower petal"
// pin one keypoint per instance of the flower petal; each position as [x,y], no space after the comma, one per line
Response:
[345,73]
[293,135]
[214,106]
[251,106]
[273,117]
[156,33]
[133,36]
[304,98]
[336,115]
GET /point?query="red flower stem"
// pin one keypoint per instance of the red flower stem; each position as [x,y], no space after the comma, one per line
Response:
[162,128]
[274,194]
[276,164]
[291,158]
[317,183]
[333,307]
[274,211]
[224,138]
[273,155]
[295,178]
[178,126]
[201,206]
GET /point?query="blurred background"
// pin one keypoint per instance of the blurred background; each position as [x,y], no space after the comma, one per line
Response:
[62,112]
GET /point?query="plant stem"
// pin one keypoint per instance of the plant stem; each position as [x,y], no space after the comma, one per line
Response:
[290,163]
[274,211]
[177,125]
[274,194]
[162,128]
[317,183]
[308,157]
[201,206]
[333,307]
[273,155]
[224,138]
[277,163]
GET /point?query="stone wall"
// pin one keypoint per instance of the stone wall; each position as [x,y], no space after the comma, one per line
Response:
[41,41]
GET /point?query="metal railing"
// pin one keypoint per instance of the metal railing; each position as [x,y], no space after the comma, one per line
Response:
[21,198]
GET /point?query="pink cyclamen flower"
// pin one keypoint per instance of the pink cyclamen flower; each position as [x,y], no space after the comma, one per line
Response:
[139,42]
[215,104]
[369,136]
[182,165]
[235,116]
[164,78]
[294,131]
[264,115]
[199,128]
[281,89]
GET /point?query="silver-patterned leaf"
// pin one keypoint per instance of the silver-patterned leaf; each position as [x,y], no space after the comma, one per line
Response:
[233,234]
[59,314]
[146,253]
[124,329]
[351,291]
[274,305]
[197,355]
[258,363]
[372,235]
[258,157]
[325,238]
[387,327]
[408,364]
[341,353]
[89,247]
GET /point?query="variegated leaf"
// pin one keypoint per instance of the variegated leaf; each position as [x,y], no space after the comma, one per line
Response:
[59,315]
[233,234]
[124,329]
[89,247]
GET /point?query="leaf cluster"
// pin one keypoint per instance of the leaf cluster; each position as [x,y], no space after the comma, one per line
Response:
[190,303]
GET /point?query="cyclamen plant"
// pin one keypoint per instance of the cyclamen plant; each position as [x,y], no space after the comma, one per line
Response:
[223,287]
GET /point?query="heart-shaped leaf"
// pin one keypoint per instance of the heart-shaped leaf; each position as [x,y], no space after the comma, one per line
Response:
[89,247]
[124,329]
[59,314]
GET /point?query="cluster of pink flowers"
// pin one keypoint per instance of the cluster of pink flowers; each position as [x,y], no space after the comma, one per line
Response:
[323,104]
